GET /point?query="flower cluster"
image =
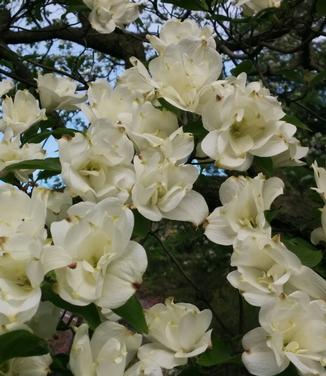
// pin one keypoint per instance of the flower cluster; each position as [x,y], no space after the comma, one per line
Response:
[268,275]
[106,15]
[168,344]
[319,234]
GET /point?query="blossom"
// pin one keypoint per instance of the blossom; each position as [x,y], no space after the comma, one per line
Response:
[29,366]
[111,348]
[6,86]
[320,178]
[44,322]
[164,190]
[11,152]
[97,165]
[57,92]
[244,201]
[266,269]
[178,74]
[174,31]
[22,237]
[178,332]
[106,15]
[243,120]
[97,262]
[258,5]
[21,112]
[293,329]
[115,105]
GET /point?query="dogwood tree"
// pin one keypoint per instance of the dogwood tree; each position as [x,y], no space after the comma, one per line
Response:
[192,127]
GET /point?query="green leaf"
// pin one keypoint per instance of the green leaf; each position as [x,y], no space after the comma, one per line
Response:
[142,226]
[307,253]
[271,214]
[197,129]
[295,121]
[190,371]
[89,312]
[168,106]
[245,66]
[321,7]
[292,75]
[219,354]
[49,164]
[189,4]
[265,165]
[133,313]
[21,343]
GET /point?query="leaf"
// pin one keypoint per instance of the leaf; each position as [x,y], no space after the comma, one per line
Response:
[292,75]
[89,312]
[132,312]
[245,66]
[21,343]
[295,121]
[190,371]
[49,164]
[265,165]
[168,106]
[271,214]
[307,253]
[142,226]
[188,4]
[321,7]
[219,354]
[196,128]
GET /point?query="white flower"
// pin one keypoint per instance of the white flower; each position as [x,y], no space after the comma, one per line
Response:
[58,92]
[29,366]
[21,113]
[11,152]
[6,86]
[174,31]
[258,5]
[99,263]
[243,121]
[266,269]
[151,126]
[244,201]
[320,178]
[115,105]
[178,74]
[111,348]
[293,329]
[178,332]
[164,190]
[144,368]
[22,237]
[106,15]
[97,165]
[319,234]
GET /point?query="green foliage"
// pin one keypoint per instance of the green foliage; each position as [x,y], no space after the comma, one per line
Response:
[307,253]
[21,343]
[142,226]
[189,4]
[132,312]
[89,312]
[49,164]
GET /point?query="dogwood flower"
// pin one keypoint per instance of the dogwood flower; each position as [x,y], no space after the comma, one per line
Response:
[97,165]
[21,112]
[58,92]
[267,269]
[29,366]
[178,332]
[6,86]
[178,74]
[111,348]
[174,31]
[144,368]
[106,15]
[258,5]
[115,105]
[244,201]
[11,152]
[164,190]
[99,263]
[320,179]
[22,237]
[243,120]
[293,329]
